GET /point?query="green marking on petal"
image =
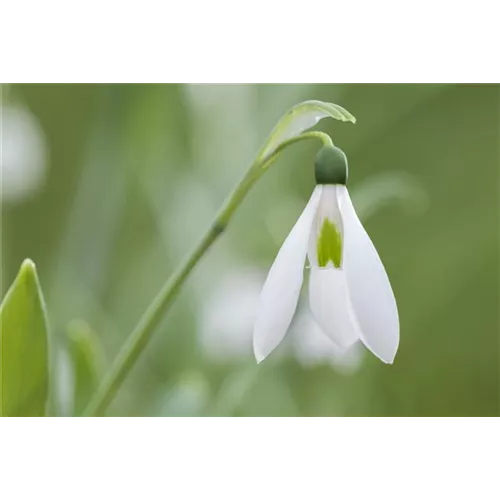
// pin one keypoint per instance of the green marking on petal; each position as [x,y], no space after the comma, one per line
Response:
[329,245]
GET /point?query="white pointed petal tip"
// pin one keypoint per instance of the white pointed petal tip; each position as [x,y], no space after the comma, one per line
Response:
[387,361]
[384,348]
[259,357]
[389,355]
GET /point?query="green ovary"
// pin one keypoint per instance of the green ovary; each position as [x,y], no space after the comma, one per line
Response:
[329,245]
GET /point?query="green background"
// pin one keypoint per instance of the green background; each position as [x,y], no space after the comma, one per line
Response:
[134,175]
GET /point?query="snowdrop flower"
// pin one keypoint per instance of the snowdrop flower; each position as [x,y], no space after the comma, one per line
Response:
[350,295]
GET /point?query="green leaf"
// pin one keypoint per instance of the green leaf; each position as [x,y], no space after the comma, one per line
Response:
[302,117]
[87,361]
[23,347]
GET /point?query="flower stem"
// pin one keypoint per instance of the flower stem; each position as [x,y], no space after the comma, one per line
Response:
[140,336]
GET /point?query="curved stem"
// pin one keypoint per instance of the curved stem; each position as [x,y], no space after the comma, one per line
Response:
[140,336]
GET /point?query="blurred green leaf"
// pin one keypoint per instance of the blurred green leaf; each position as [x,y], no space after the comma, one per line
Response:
[188,397]
[388,188]
[23,347]
[270,394]
[87,361]
[234,389]
[302,117]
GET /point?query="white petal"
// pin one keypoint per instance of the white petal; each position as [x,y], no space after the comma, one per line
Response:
[370,292]
[330,306]
[282,288]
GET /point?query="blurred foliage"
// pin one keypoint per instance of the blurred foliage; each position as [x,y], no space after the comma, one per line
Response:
[134,174]
[86,358]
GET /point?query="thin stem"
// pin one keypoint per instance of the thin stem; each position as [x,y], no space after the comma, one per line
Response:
[140,336]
